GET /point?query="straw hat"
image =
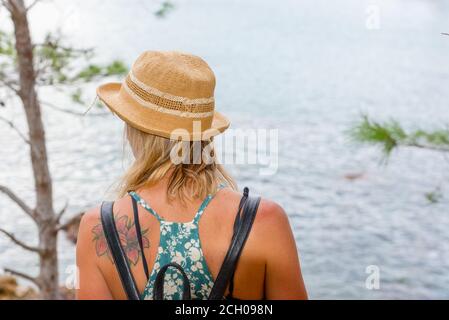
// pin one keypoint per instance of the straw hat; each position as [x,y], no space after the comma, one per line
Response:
[169,94]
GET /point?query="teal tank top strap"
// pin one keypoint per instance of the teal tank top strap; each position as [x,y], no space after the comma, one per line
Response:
[203,206]
[144,204]
[205,202]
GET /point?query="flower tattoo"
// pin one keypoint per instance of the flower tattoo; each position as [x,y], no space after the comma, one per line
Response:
[128,238]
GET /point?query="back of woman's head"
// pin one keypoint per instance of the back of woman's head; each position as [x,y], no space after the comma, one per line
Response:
[190,166]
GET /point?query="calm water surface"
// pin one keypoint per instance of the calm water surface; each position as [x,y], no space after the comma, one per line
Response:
[308,68]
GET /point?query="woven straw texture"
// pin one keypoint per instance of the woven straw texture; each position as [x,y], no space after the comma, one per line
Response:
[170,94]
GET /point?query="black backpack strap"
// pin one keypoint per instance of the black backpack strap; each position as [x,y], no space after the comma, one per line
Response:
[236,226]
[158,293]
[244,225]
[139,236]
[239,211]
[118,255]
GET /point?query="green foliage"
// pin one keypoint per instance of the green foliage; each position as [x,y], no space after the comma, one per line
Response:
[57,65]
[6,44]
[390,135]
[61,66]
[77,96]
[434,196]
[166,7]
[437,137]
[116,68]
[93,71]
[88,73]
[8,57]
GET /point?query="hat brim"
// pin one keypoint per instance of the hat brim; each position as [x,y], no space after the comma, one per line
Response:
[148,120]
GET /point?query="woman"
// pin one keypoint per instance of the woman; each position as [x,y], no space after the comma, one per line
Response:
[187,202]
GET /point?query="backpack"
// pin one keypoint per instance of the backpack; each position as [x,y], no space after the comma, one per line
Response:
[242,226]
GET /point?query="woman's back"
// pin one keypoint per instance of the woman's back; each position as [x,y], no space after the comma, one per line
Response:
[168,106]
[268,258]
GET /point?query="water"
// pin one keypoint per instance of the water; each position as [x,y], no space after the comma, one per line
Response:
[308,68]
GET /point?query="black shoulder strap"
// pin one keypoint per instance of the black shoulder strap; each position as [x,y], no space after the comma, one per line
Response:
[243,226]
[139,237]
[239,211]
[236,226]
[120,260]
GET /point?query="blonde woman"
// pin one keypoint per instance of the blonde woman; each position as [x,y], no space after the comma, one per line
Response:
[185,206]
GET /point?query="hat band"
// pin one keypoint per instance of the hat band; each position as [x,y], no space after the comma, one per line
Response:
[163,102]
[169,96]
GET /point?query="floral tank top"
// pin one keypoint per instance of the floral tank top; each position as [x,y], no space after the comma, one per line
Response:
[179,242]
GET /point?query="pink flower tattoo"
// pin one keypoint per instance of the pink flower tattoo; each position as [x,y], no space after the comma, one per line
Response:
[128,238]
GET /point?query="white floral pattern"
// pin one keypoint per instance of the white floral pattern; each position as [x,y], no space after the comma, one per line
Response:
[180,243]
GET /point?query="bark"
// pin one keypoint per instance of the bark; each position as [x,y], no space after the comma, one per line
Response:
[44,211]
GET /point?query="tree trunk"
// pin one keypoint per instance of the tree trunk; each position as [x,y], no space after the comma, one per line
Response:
[45,214]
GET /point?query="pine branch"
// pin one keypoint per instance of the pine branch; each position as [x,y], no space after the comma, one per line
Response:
[22,275]
[390,135]
[30,212]
[425,146]
[19,242]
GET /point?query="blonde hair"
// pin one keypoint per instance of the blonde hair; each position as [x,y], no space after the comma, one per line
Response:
[153,162]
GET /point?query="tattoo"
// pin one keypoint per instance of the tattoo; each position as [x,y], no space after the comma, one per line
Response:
[128,238]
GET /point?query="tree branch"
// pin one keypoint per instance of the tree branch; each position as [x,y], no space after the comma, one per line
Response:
[6,5]
[12,5]
[79,114]
[13,126]
[56,45]
[30,212]
[10,85]
[61,212]
[22,275]
[32,4]
[422,146]
[19,242]
[73,220]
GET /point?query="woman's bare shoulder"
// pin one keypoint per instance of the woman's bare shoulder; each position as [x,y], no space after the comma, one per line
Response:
[85,248]
[270,214]
[90,226]
[271,223]
[92,215]
[91,219]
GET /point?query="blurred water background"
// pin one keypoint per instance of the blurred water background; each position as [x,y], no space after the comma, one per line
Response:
[308,68]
